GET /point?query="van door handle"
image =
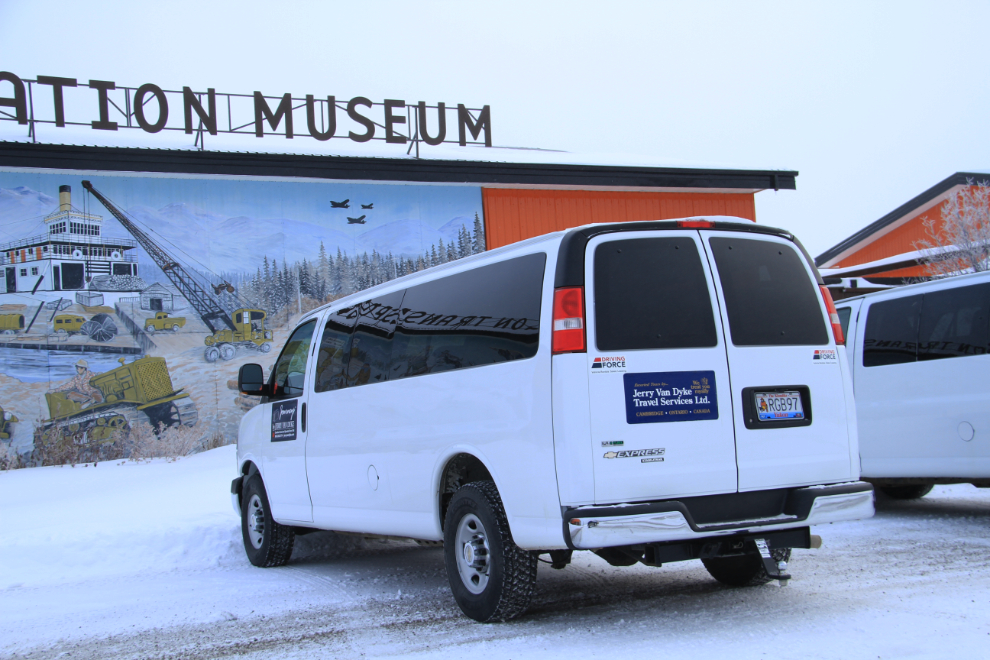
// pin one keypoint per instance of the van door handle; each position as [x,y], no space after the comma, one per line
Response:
[303,418]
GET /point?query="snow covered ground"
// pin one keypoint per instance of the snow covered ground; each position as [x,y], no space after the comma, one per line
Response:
[144,560]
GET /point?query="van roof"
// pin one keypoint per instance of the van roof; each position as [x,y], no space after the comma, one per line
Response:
[573,241]
[955,280]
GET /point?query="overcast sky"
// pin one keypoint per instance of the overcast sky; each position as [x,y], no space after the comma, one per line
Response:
[871,102]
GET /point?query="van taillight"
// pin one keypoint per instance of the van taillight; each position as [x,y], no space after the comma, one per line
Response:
[695,224]
[568,320]
[833,316]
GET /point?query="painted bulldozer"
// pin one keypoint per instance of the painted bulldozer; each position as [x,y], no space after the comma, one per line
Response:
[139,391]
[249,332]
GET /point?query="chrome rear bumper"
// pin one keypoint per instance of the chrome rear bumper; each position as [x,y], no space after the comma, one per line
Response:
[630,524]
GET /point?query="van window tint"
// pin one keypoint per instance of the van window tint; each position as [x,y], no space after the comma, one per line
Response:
[954,323]
[368,350]
[891,335]
[330,358]
[844,314]
[769,296]
[652,293]
[482,316]
[289,374]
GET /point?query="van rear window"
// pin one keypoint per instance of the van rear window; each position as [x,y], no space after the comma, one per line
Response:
[652,293]
[769,296]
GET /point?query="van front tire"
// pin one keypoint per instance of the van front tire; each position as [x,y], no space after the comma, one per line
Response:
[266,542]
[492,579]
[743,570]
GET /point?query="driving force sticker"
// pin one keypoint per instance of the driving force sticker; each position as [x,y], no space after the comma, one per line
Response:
[670,396]
[284,420]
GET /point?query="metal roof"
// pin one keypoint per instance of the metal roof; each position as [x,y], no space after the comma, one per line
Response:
[406,170]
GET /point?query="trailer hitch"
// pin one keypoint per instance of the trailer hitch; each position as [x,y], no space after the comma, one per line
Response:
[774,568]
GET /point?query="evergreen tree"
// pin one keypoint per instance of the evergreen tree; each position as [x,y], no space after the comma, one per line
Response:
[463,242]
[323,274]
[478,236]
[267,299]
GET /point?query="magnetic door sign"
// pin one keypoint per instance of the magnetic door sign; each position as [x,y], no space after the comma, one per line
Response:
[670,396]
[284,420]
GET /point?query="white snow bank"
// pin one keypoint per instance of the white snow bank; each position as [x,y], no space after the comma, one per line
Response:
[66,524]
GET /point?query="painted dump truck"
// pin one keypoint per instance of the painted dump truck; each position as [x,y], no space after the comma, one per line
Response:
[11,323]
[139,391]
[6,419]
[163,321]
[250,333]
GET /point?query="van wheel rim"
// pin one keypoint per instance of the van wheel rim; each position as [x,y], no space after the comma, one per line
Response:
[256,522]
[473,553]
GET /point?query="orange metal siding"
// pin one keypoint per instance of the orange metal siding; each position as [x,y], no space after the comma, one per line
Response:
[513,215]
[899,241]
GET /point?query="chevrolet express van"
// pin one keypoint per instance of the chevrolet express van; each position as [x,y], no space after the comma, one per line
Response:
[920,359]
[649,391]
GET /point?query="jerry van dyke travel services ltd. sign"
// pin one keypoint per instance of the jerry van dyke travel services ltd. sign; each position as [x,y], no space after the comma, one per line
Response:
[125,103]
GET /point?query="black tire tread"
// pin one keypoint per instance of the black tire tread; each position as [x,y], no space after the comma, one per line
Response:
[912,492]
[281,539]
[519,566]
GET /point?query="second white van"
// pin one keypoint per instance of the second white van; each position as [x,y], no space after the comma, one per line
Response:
[920,358]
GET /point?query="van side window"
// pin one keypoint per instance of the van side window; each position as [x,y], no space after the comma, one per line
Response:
[652,293]
[891,335]
[477,317]
[770,298]
[289,374]
[844,315]
[330,359]
[368,350]
[954,323]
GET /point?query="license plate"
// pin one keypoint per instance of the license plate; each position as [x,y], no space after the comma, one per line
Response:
[778,406]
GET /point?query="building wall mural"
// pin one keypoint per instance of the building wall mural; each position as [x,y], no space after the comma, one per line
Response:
[130,302]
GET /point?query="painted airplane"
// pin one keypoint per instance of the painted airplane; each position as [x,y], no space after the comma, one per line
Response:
[356,221]
[340,205]
[367,206]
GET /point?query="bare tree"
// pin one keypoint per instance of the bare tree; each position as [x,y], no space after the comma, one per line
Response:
[960,243]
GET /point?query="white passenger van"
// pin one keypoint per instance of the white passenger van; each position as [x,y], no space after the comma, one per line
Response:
[921,371]
[650,391]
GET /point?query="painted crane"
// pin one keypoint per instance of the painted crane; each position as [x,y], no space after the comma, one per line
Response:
[245,327]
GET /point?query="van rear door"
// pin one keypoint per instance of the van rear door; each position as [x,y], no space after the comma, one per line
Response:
[787,388]
[661,414]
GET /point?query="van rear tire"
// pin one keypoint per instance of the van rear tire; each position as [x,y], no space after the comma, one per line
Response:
[492,578]
[266,542]
[912,492]
[743,570]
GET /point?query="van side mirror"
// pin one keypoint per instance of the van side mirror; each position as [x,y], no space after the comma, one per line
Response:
[251,380]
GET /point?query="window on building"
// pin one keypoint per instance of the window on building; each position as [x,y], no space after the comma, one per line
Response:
[24,272]
[34,271]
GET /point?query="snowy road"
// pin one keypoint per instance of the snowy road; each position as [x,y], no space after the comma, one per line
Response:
[91,569]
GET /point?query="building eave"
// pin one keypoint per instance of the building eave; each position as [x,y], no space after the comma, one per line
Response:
[861,238]
[404,170]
